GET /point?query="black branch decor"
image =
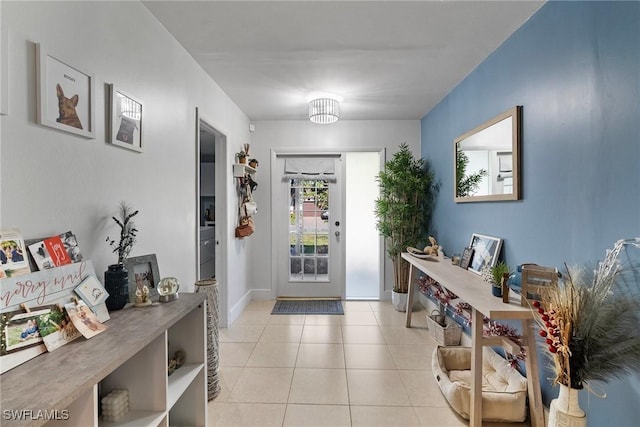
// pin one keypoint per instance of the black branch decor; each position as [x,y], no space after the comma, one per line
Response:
[128,232]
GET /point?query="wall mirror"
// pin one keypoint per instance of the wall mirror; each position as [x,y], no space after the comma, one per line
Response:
[487,160]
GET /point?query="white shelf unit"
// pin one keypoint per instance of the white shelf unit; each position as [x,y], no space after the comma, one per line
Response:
[131,354]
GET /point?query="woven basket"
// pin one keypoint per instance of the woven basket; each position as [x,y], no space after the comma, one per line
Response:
[210,288]
[444,336]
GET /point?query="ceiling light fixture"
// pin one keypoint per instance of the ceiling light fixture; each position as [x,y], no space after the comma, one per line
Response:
[324,110]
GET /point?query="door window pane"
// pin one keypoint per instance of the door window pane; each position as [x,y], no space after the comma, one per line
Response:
[308,230]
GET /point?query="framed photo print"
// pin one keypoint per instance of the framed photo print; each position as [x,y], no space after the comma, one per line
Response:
[19,330]
[126,120]
[486,250]
[65,95]
[465,260]
[13,254]
[143,270]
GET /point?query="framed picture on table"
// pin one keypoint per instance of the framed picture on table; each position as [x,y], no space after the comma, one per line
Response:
[143,271]
[465,260]
[486,250]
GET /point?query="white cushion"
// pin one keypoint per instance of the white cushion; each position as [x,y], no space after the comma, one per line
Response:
[504,389]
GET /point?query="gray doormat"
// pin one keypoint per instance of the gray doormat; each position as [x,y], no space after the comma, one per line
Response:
[308,306]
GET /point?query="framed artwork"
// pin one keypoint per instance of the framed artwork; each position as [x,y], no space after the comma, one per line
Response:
[467,254]
[143,270]
[66,97]
[125,114]
[486,250]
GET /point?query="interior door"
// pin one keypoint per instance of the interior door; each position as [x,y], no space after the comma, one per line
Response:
[308,234]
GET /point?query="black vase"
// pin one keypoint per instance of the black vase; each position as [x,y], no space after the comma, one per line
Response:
[116,282]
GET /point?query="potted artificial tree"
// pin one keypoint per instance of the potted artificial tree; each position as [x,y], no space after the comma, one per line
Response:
[403,212]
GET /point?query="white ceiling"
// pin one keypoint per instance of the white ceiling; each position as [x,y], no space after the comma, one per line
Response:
[386,59]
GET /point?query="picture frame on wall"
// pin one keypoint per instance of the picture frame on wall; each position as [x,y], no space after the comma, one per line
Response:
[486,250]
[66,95]
[143,270]
[126,119]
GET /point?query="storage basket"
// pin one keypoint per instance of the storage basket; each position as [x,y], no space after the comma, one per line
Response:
[445,336]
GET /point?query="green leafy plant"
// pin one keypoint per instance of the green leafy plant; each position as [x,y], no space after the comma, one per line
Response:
[466,185]
[495,273]
[404,208]
[128,232]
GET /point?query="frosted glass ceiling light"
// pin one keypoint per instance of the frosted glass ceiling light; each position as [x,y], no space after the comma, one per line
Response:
[324,110]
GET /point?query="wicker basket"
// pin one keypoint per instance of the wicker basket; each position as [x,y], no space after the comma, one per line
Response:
[444,336]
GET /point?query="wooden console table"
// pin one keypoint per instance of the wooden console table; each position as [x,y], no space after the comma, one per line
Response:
[472,289]
[131,354]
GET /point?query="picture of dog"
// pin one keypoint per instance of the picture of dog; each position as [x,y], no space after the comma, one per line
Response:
[67,109]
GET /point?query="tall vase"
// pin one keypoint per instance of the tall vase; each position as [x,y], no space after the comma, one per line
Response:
[565,411]
[210,288]
[116,282]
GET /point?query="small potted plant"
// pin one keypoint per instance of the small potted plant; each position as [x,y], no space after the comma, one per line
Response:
[494,275]
[116,278]
[253,163]
[241,156]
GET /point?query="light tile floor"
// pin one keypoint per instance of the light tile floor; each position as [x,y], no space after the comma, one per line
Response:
[361,369]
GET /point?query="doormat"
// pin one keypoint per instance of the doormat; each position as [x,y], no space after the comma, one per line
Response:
[308,306]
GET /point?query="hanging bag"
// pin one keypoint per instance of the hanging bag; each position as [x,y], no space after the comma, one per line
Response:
[246,227]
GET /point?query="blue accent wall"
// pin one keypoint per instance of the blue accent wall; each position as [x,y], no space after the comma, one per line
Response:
[575,69]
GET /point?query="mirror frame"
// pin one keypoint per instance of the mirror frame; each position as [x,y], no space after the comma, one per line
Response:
[516,114]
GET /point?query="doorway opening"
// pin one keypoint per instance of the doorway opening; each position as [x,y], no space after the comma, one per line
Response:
[211,183]
[325,240]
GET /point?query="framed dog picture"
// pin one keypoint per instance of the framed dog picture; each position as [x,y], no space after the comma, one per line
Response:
[126,120]
[65,95]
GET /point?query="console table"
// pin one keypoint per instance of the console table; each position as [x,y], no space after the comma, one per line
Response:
[62,386]
[472,289]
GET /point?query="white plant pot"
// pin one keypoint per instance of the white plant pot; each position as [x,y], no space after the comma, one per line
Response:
[565,411]
[399,300]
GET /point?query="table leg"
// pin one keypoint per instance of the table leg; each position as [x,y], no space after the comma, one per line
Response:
[411,292]
[475,409]
[536,413]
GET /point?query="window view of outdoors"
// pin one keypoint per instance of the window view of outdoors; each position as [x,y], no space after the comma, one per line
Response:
[309,230]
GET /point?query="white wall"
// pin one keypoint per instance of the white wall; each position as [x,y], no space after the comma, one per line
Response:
[53,181]
[303,135]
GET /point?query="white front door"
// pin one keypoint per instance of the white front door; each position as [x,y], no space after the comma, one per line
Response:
[308,221]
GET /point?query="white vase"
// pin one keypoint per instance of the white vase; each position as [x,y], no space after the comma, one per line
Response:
[399,300]
[565,411]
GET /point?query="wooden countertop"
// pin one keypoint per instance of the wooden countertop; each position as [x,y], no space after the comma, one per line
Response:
[52,381]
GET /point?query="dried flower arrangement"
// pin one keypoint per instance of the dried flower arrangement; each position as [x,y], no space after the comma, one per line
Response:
[128,232]
[591,321]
